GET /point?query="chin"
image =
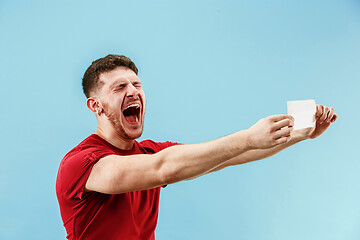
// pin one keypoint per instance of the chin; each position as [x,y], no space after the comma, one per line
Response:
[133,134]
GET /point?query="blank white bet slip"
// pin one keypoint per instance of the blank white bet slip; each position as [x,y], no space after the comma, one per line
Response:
[303,113]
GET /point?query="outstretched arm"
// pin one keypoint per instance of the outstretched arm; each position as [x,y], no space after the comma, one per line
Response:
[118,174]
[324,116]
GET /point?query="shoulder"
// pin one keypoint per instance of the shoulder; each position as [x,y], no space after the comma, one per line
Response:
[153,147]
[75,167]
[90,149]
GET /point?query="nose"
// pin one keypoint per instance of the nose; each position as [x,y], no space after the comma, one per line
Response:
[131,91]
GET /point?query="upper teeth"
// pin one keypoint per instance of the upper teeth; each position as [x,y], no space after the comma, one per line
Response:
[133,105]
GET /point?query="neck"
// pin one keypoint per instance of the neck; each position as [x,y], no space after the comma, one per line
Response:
[112,137]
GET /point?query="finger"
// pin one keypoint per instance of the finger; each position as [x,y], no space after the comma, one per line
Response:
[282,140]
[276,118]
[283,123]
[319,111]
[335,117]
[285,132]
[324,114]
[330,115]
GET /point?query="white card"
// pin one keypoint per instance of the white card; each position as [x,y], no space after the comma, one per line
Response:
[303,113]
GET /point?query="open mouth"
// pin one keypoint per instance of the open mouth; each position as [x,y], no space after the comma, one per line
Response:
[132,113]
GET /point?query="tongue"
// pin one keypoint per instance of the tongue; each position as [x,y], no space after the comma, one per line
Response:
[131,118]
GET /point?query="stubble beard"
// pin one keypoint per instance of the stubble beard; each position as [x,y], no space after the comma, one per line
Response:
[114,119]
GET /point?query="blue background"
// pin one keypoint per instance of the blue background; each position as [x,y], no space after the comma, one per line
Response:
[209,68]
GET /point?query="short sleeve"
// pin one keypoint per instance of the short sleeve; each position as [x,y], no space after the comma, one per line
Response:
[75,170]
[154,147]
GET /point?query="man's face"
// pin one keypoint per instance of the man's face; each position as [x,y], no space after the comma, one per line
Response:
[123,101]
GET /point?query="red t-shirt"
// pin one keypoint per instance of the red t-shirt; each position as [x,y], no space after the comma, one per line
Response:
[94,215]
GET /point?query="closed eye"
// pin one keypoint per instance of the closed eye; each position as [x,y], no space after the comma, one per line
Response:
[119,87]
[136,84]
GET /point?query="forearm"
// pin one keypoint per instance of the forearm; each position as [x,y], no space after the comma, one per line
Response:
[258,154]
[188,161]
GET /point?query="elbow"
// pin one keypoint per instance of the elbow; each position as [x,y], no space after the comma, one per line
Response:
[169,168]
[168,176]
[168,173]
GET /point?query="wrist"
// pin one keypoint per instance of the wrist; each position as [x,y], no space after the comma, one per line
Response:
[299,135]
[247,140]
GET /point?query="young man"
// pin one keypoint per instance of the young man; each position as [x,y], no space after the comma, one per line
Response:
[108,186]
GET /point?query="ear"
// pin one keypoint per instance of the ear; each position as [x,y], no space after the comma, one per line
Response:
[94,105]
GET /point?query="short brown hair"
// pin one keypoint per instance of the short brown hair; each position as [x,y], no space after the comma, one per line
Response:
[90,81]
